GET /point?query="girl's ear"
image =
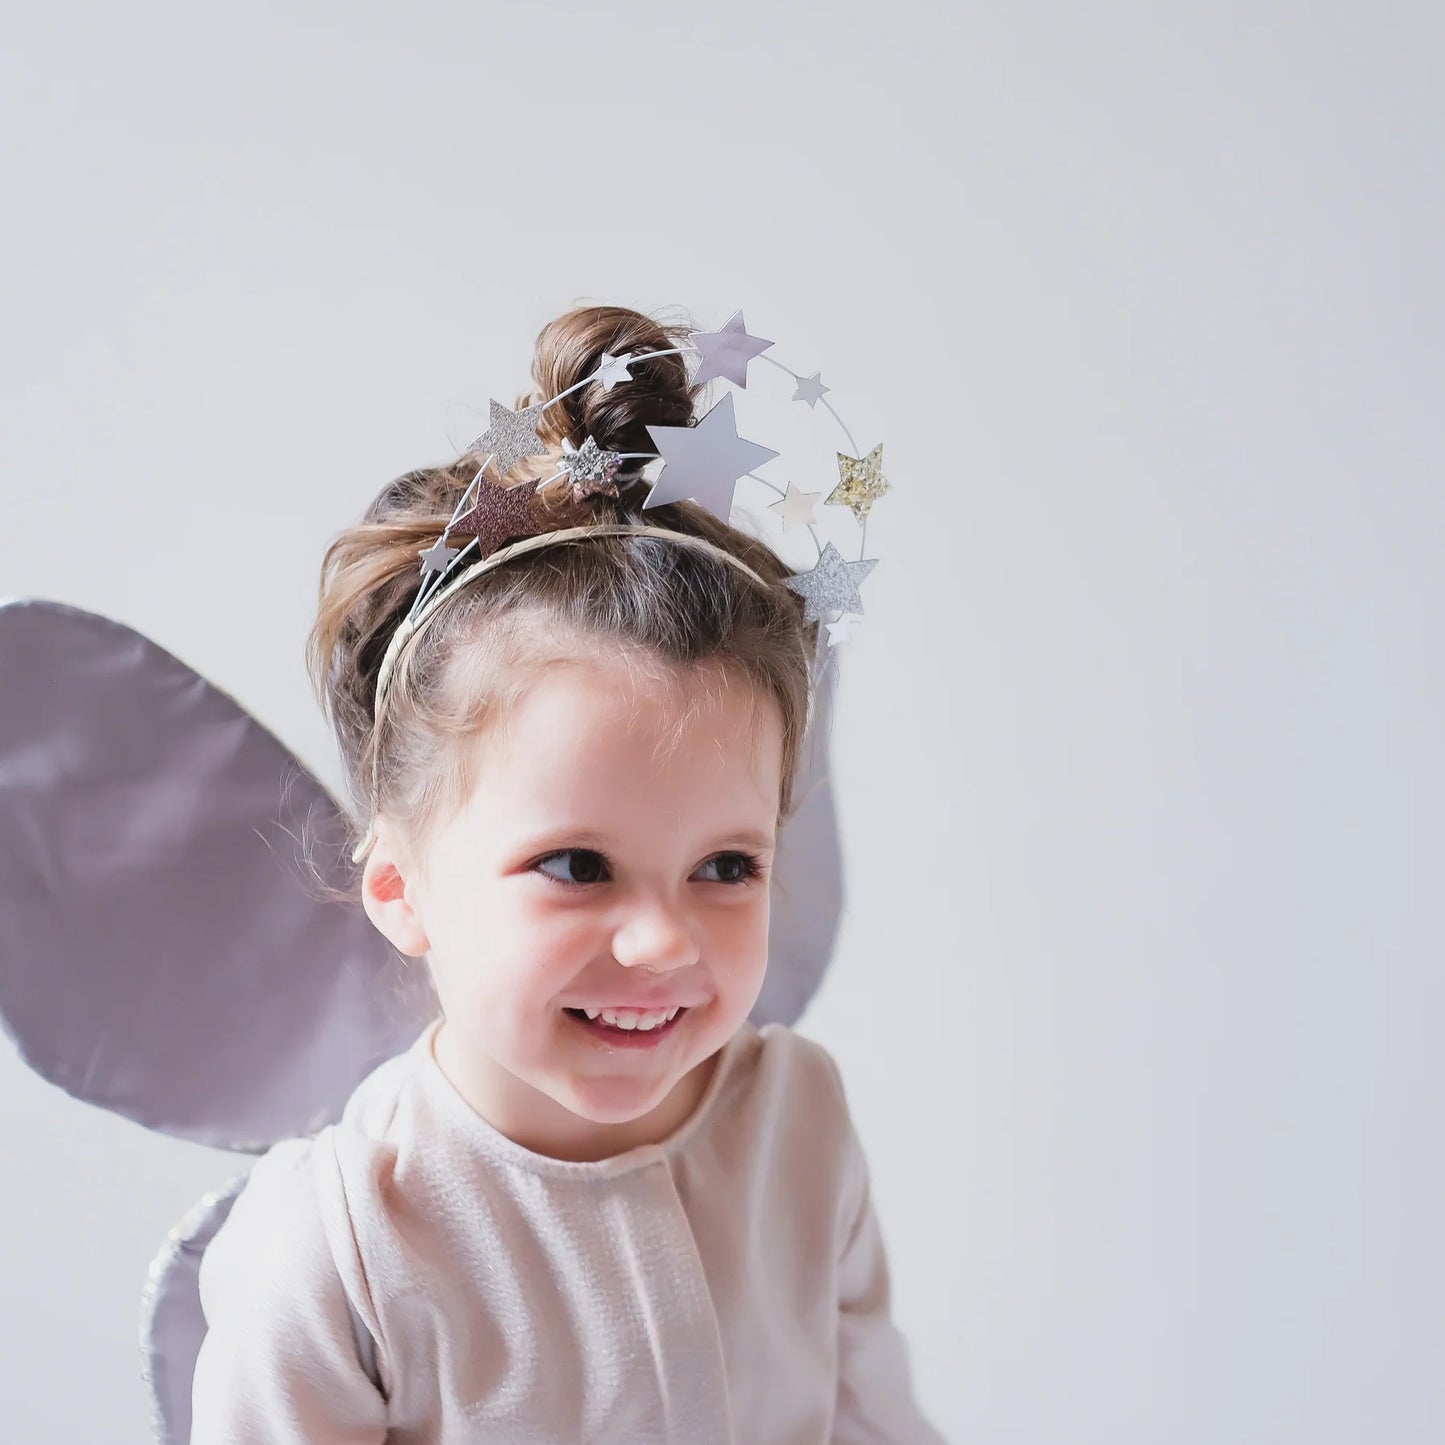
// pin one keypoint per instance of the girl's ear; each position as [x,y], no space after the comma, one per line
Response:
[387,896]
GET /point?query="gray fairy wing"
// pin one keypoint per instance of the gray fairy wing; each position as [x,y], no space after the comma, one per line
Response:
[165,955]
[172,1323]
[807,892]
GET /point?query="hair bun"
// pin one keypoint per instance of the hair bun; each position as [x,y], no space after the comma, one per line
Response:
[570,349]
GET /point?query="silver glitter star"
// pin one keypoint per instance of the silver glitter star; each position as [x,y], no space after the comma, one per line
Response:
[613,369]
[796,507]
[811,389]
[726,352]
[437,558]
[705,461]
[831,586]
[590,468]
[512,435]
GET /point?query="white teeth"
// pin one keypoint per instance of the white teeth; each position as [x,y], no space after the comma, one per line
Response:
[633,1018]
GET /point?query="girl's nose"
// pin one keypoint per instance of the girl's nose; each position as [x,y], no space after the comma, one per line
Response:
[655,936]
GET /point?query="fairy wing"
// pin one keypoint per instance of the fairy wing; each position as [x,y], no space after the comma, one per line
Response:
[166,953]
[172,1322]
[807,891]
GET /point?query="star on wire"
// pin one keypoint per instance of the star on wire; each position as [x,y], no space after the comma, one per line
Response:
[590,468]
[811,389]
[831,586]
[613,369]
[512,435]
[501,515]
[842,630]
[796,507]
[705,461]
[726,352]
[861,482]
[437,558]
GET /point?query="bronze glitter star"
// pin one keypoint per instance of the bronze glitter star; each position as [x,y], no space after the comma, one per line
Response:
[501,515]
[861,482]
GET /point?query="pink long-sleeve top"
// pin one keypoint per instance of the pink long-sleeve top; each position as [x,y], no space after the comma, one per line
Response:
[411,1275]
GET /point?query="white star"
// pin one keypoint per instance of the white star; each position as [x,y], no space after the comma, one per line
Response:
[810,389]
[705,461]
[796,507]
[842,630]
[437,557]
[726,352]
[613,369]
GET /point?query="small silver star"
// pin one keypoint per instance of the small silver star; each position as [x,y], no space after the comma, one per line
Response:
[590,468]
[811,389]
[512,435]
[726,352]
[842,630]
[613,369]
[437,558]
[832,585]
[796,507]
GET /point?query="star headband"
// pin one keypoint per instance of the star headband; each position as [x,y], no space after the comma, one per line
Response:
[703,462]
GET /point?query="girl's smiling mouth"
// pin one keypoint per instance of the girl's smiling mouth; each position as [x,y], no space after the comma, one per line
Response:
[626,1028]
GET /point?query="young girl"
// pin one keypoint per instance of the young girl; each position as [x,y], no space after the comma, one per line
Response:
[592,1202]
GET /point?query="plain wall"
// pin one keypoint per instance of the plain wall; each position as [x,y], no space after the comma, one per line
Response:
[1138,991]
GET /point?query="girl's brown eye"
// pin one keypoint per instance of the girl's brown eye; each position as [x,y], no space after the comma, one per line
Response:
[733,868]
[580,865]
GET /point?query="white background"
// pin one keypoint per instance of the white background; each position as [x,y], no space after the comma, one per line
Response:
[1138,993]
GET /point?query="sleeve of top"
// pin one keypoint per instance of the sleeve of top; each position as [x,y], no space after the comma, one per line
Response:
[280,1364]
[875,1388]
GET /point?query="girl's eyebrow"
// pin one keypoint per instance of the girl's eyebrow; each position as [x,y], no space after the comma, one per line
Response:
[565,837]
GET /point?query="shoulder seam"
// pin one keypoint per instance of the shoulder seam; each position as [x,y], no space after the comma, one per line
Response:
[364,1310]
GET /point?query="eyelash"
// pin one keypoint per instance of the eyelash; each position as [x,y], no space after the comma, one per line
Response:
[752,868]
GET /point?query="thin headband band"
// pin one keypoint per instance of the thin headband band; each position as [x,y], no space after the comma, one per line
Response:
[412,626]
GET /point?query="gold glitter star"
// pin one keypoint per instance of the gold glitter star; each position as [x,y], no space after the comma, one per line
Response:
[861,482]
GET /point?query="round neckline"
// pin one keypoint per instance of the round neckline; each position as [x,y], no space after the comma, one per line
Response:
[499,1145]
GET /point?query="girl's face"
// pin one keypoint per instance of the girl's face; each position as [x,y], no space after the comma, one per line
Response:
[615,851]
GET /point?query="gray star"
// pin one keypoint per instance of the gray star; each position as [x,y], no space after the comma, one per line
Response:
[437,558]
[705,461]
[726,352]
[811,389]
[831,586]
[512,435]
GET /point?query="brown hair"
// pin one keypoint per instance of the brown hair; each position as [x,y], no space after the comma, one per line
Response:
[646,600]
